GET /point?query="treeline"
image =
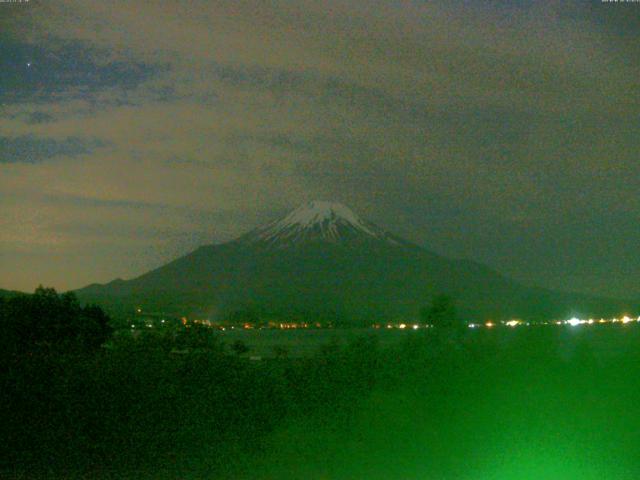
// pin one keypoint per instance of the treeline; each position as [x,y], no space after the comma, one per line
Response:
[50,322]
[180,405]
[142,410]
[167,403]
[165,406]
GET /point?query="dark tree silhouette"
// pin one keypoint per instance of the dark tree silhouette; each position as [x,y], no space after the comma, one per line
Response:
[280,351]
[198,337]
[49,321]
[441,312]
[239,347]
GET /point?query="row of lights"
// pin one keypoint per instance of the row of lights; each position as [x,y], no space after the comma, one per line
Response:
[624,320]
[403,326]
[573,322]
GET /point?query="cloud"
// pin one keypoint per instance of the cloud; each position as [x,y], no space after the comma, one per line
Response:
[31,149]
[35,72]
[464,126]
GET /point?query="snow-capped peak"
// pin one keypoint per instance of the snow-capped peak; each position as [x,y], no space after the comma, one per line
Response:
[318,221]
[318,212]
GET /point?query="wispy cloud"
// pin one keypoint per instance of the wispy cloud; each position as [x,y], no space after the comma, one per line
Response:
[40,71]
[31,149]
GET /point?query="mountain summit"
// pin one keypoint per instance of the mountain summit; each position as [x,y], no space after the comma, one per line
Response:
[318,221]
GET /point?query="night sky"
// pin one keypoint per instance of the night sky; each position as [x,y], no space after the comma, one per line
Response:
[132,132]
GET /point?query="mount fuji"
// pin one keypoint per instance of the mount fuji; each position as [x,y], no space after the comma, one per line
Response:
[323,262]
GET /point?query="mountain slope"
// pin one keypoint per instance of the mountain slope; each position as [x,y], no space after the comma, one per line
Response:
[322,260]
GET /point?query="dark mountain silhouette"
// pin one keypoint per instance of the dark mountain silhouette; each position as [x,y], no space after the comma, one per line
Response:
[323,261]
